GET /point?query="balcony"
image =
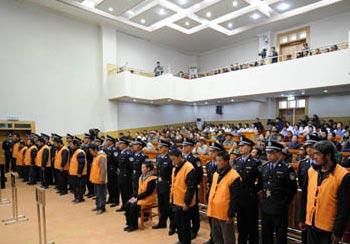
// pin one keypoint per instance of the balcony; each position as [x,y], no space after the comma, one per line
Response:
[318,71]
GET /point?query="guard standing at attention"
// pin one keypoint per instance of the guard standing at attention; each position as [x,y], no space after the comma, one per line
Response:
[42,161]
[139,158]
[164,170]
[112,164]
[61,165]
[248,203]
[279,188]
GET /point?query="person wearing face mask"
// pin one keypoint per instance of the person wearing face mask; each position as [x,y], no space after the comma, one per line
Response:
[325,201]
[279,188]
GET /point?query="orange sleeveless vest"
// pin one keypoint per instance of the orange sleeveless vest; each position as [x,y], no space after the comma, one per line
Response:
[96,169]
[219,196]
[28,155]
[322,200]
[20,156]
[58,159]
[151,199]
[179,187]
[39,156]
[73,165]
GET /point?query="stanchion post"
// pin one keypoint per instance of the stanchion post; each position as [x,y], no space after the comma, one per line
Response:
[15,217]
[41,202]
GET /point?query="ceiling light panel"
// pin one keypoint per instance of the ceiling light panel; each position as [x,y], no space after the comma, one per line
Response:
[221,8]
[248,19]
[287,5]
[187,23]
[153,15]
[185,3]
[119,6]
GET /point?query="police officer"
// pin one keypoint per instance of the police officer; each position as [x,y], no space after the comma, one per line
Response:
[182,194]
[164,170]
[85,146]
[112,183]
[248,209]
[139,158]
[124,159]
[324,210]
[210,168]
[187,148]
[279,188]
[7,147]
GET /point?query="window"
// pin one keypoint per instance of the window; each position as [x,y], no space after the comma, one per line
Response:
[302,35]
[291,104]
[301,103]
[282,104]
[293,37]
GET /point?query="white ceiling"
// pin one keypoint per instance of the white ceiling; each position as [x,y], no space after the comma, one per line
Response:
[186,24]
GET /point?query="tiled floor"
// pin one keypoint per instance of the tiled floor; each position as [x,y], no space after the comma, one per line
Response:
[72,224]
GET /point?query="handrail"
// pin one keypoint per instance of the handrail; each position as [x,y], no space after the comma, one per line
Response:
[241,66]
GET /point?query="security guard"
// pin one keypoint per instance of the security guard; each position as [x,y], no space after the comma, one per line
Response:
[112,182]
[187,148]
[279,188]
[85,146]
[182,194]
[77,170]
[61,165]
[42,161]
[139,158]
[125,160]
[164,170]
[210,169]
[325,201]
[305,164]
[223,200]
[248,209]
[29,159]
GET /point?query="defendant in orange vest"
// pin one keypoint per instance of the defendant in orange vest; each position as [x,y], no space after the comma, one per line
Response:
[182,194]
[325,203]
[146,196]
[223,199]
[98,177]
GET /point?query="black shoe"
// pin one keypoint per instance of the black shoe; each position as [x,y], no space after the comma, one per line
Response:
[159,226]
[126,228]
[171,232]
[75,200]
[193,235]
[100,211]
[31,183]
[94,198]
[122,209]
[63,193]
[109,202]
[58,192]
[131,229]
[210,241]
[90,195]
[113,205]
[94,209]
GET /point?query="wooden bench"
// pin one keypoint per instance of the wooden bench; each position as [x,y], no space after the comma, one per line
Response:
[151,214]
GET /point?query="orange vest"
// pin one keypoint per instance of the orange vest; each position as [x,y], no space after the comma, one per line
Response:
[151,199]
[179,187]
[28,155]
[96,169]
[15,150]
[322,200]
[58,159]
[20,156]
[73,165]
[219,196]
[39,156]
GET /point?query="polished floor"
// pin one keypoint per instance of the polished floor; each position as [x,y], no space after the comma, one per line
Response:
[68,223]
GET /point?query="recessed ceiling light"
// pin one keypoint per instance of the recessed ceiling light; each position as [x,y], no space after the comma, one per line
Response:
[182,2]
[110,9]
[131,13]
[325,91]
[255,16]
[282,95]
[208,14]
[283,6]
[187,23]
[194,104]
[143,21]
[88,4]
[218,101]
[162,11]
[303,92]
[230,25]
[232,100]
[206,103]
[234,3]
[134,100]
